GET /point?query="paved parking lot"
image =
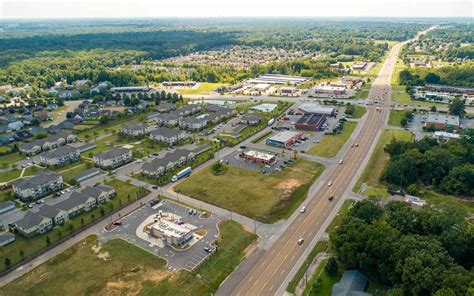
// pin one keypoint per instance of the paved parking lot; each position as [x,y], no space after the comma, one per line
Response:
[177,259]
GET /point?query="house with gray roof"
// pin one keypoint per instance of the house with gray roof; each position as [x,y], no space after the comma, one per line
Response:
[352,283]
[167,135]
[31,188]
[101,193]
[193,123]
[6,238]
[113,158]
[58,216]
[167,163]
[60,156]
[164,107]
[136,130]
[47,143]
[32,224]
[251,118]
[76,204]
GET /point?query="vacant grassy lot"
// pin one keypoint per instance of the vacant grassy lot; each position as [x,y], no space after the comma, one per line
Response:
[265,198]
[395,117]
[204,87]
[364,92]
[9,159]
[331,144]
[359,112]
[121,268]
[379,158]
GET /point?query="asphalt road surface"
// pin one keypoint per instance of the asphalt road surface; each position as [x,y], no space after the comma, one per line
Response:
[270,274]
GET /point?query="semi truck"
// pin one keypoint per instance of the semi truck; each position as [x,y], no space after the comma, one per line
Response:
[181,174]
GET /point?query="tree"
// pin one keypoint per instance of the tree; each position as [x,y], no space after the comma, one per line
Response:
[22,254]
[48,241]
[332,267]
[432,78]
[7,262]
[413,189]
[457,107]
[433,109]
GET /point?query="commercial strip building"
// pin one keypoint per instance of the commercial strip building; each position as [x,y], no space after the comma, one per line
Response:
[445,136]
[30,188]
[179,83]
[310,122]
[329,89]
[443,122]
[444,93]
[284,139]
[317,109]
[48,143]
[113,158]
[278,79]
[60,156]
[259,156]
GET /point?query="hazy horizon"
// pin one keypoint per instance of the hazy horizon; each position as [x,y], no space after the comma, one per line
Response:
[78,9]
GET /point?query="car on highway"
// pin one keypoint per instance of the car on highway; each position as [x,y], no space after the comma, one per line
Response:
[329,183]
[357,144]
[303,209]
[300,241]
[207,249]
[341,161]
[331,197]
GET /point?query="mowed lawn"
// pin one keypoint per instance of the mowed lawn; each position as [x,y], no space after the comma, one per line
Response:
[373,170]
[359,112]
[267,198]
[395,117]
[331,144]
[204,87]
[120,268]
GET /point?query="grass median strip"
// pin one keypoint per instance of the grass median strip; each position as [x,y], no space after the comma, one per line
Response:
[260,138]
[331,144]
[267,198]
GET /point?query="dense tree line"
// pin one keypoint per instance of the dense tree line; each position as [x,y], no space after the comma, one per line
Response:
[448,167]
[415,252]
[454,75]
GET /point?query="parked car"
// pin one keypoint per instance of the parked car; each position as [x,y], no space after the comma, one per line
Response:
[117,223]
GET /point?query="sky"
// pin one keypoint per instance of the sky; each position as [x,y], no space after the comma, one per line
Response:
[233,8]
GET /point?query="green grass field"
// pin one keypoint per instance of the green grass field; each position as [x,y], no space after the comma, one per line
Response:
[327,282]
[10,159]
[267,198]
[364,92]
[379,158]
[121,268]
[395,117]
[320,246]
[359,112]
[204,87]
[9,175]
[331,144]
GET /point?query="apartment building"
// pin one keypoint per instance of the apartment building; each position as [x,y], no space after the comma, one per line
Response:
[48,143]
[60,156]
[31,188]
[170,136]
[113,158]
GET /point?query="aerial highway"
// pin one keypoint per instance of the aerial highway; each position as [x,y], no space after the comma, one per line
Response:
[270,274]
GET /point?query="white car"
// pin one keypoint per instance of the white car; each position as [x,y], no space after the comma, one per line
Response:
[341,161]
[303,209]
[300,241]
[329,183]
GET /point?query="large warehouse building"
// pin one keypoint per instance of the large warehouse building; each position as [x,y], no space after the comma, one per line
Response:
[278,79]
[284,139]
[259,157]
[317,109]
[310,122]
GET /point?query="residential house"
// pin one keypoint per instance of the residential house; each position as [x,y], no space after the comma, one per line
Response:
[352,283]
[193,123]
[113,158]
[58,216]
[169,162]
[48,143]
[31,188]
[6,139]
[251,118]
[60,156]
[136,130]
[32,224]
[101,193]
[164,107]
[76,204]
[15,126]
[167,135]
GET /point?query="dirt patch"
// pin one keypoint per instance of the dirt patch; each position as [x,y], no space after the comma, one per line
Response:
[122,288]
[200,232]
[101,255]
[156,275]
[288,184]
